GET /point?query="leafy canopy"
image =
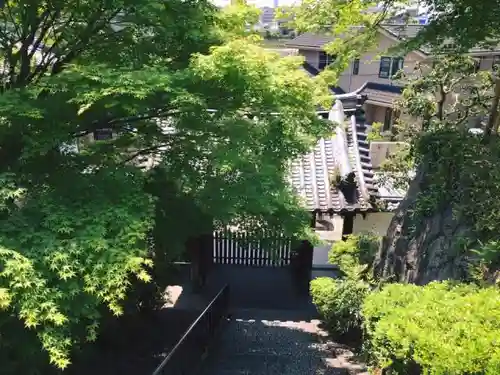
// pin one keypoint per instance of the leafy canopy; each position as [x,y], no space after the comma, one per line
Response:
[74,225]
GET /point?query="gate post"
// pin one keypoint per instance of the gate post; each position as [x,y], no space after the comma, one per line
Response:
[302,266]
[206,250]
[193,250]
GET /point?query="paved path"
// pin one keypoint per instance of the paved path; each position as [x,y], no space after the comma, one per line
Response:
[273,342]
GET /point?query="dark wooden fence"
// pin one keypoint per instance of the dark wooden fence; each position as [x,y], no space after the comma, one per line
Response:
[270,249]
[187,354]
[301,266]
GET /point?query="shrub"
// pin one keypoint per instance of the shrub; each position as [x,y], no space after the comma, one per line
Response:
[355,255]
[440,328]
[339,303]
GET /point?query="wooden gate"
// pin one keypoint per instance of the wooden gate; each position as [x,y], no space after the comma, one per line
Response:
[268,249]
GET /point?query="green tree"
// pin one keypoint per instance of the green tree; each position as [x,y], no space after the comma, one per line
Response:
[74,225]
[443,102]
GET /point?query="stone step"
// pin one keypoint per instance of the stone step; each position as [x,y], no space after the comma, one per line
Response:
[364,144]
[364,158]
[366,165]
[266,342]
[361,137]
[364,151]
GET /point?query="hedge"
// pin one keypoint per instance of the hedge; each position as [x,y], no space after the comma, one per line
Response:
[441,328]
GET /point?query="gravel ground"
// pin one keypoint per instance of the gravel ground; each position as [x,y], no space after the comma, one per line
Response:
[262,342]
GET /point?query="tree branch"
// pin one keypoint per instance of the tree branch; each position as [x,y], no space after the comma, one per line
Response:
[145,151]
[112,123]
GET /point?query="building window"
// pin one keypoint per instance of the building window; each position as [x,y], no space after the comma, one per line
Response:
[103,134]
[355,67]
[387,119]
[389,66]
[325,59]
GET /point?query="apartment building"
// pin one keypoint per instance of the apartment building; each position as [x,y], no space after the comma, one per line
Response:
[373,73]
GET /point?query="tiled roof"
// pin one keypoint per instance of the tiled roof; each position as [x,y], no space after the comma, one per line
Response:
[284,52]
[399,31]
[403,31]
[309,40]
[310,174]
[379,93]
[310,177]
[388,195]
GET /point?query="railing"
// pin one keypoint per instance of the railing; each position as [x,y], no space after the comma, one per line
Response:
[190,349]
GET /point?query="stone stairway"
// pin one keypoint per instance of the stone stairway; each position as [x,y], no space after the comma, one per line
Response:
[272,342]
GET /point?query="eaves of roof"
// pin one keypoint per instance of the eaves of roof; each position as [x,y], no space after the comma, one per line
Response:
[317,42]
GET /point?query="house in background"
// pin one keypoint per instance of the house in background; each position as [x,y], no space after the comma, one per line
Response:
[373,73]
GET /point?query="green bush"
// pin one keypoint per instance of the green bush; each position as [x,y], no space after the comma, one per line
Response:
[440,328]
[355,255]
[375,132]
[339,303]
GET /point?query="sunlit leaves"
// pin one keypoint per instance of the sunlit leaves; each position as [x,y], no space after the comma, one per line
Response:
[73,225]
[5,298]
[103,269]
[444,328]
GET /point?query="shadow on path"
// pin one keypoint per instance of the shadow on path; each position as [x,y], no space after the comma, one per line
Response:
[270,288]
[274,342]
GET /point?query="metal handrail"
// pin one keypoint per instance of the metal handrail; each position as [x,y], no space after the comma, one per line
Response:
[223,293]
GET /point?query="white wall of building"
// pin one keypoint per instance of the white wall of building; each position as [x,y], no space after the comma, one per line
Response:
[381,150]
[376,222]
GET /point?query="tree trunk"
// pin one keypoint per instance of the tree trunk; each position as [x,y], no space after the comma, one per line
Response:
[492,120]
[429,252]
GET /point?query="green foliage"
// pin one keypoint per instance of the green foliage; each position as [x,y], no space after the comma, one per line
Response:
[339,303]
[74,226]
[441,328]
[335,177]
[451,17]
[355,255]
[67,250]
[375,133]
[340,19]
[235,19]
[461,177]
[464,180]
[398,167]
[440,101]
[446,94]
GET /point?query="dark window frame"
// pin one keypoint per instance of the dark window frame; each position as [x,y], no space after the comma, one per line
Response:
[384,70]
[397,64]
[389,112]
[355,67]
[325,59]
[389,66]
